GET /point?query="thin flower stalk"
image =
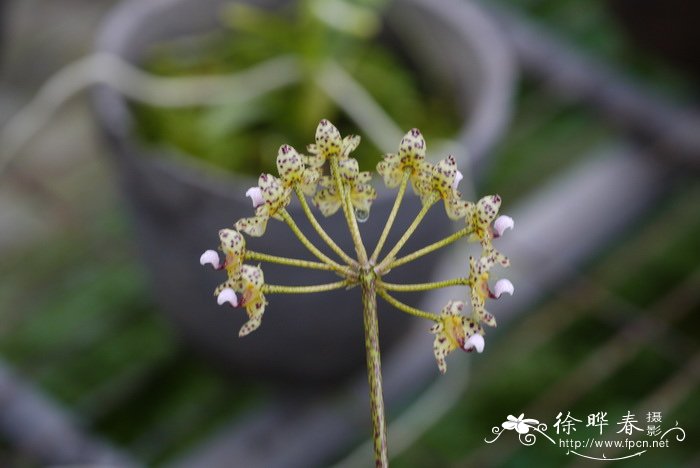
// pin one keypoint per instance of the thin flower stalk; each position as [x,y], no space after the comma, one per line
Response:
[430,248]
[279,289]
[348,212]
[415,287]
[262,257]
[307,243]
[392,216]
[404,307]
[374,369]
[319,229]
[409,232]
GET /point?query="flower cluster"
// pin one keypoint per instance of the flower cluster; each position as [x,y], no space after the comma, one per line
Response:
[453,329]
[332,179]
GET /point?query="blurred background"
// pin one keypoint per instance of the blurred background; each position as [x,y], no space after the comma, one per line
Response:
[589,132]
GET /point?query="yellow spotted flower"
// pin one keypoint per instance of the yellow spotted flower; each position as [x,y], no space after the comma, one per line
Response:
[293,171]
[444,181]
[411,158]
[233,247]
[269,197]
[249,285]
[479,217]
[362,194]
[453,331]
[479,289]
[329,144]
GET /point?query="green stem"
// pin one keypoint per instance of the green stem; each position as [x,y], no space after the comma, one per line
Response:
[423,286]
[250,255]
[374,369]
[406,308]
[321,232]
[278,289]
[419,217]
[392,216]
[307,243]
[348,212]
[430,248]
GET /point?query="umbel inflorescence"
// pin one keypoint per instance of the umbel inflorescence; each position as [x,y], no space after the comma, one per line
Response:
[345,186]
[333,181]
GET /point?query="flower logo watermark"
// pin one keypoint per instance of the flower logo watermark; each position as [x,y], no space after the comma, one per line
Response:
[528,430]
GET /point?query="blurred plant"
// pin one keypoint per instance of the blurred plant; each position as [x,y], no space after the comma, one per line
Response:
[347,188]
[335,41]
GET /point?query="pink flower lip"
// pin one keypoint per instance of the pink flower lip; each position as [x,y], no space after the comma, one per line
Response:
[255,194]
[227,295]
[210,257]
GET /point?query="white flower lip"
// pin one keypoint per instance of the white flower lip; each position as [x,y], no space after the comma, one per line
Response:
[255,194]
[476,342]
[227,295]
[211,257]
[502,223]
[503,286]
[458,178]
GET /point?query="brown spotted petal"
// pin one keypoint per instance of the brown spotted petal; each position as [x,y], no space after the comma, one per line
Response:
[362,196]
[421,180]
[290,165]
[349,170]
[390,169]
[328,141]
[254,226]
[444,173]
[310,180]
[412,148]
[455,207]
[350,144]
[233,247]
[250,286]
[327,201]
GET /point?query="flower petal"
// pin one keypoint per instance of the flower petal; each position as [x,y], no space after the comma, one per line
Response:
[328,140]
[412,147]
[349,169]
[453,308]
[227,295]
[350,144]
[441,348]
[487,318]
[475,341]
[487,209]
[502,223]
[232,243]
[211,257]
[290,166]
[389,169]
[503,286]
[327,201]
[362,196]
[455,207]
[444,173]
[256,196]
[272,189]
[250,326]
[458,178]
[254,226]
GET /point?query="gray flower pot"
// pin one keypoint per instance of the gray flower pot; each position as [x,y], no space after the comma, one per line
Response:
[178,205]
